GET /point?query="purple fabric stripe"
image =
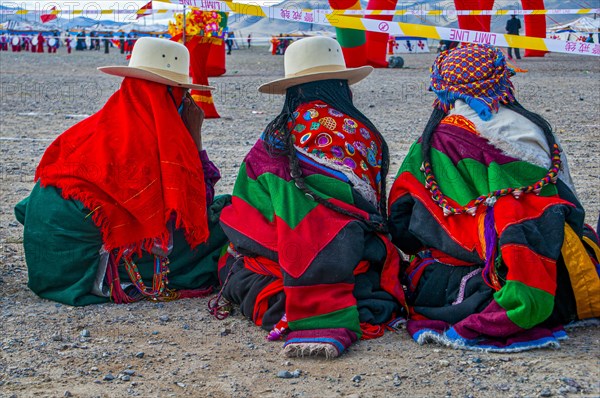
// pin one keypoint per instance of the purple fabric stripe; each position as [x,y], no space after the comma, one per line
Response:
[533,336]
[413,327]
[492,322]
[211,176]
[458,144]
[343,336]
[259,161]
[522,340]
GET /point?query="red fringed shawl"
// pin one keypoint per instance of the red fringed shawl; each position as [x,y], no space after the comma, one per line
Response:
[133,164]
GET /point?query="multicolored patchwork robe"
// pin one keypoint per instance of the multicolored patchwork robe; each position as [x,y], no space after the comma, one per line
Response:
[532,286]
[295,264]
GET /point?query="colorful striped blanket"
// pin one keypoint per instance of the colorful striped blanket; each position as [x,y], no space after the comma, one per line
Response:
[296,266]
[522,299]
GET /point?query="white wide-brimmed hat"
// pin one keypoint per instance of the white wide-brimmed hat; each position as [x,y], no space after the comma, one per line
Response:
[158,60]
[313,59]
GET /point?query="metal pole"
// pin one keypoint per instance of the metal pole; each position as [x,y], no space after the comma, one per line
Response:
[184,9]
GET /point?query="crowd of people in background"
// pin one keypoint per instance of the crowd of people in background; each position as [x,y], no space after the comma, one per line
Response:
[94,41]
[279,44]
[32,42]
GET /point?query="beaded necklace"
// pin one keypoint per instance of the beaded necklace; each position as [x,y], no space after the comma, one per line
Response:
[159,280]
[491,198]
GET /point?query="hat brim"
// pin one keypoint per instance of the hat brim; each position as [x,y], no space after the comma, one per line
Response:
[128,71]
[279,86]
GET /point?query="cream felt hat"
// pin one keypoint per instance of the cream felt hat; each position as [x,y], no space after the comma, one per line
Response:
[313,59]
[158,60]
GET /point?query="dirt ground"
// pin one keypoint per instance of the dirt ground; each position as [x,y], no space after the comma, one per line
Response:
[177,349]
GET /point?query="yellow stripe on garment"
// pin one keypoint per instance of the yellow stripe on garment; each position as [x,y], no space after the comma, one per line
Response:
[593,246]
[583,275]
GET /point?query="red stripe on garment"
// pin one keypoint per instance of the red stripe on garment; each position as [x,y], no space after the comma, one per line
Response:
[309,301]
[390,280]
[249,221]
[298,247]
[263,266]
[529,267]
[462,228]
[398,190]
[261,305]
[509,211]
[362,267]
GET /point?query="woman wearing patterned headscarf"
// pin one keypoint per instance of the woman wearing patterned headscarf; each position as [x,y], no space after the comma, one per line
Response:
[485,205]
[309,258]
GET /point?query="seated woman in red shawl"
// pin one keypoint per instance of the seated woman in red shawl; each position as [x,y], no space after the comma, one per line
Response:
[123,204]
[485,205]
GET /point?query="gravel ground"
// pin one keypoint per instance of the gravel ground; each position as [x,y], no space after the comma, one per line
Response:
[176,349]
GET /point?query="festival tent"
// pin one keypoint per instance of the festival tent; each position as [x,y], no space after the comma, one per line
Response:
[574,30]
[581,25]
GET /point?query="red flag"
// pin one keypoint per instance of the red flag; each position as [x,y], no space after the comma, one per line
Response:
[48,17]
[147,6]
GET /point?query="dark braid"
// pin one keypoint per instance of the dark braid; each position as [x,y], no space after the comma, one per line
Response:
[279,140]
[434,120]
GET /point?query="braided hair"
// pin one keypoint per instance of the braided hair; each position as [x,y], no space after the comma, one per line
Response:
[279,140]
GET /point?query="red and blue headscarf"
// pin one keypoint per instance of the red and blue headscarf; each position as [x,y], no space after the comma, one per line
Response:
[476,74]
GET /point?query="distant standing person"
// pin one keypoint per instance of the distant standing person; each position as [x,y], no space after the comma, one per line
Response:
[106,42]
[80,41]
[250,39]
[122,42]
[68,41]
[513,25]
[229,43]
[590,38]
[40,43]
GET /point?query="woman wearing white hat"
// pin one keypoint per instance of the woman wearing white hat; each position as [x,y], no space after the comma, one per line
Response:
[125,197]
[309,259]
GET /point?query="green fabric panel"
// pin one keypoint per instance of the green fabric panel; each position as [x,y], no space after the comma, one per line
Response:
[252,192]
[61,247]
[285,199]
[190,269]
[525,306]
[344,318]
[21,210]
[470,179]
[62,250]
[292,205]
[412,162]
[349,38]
